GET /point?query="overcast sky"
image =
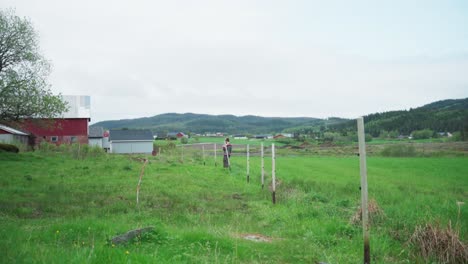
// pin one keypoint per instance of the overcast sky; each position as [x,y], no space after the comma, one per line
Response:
[268,58]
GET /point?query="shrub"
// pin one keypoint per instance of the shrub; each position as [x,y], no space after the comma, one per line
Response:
[184,140]
[422,134]
[9,148]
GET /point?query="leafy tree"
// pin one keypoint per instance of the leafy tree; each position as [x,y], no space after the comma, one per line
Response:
[422,134]
[24,91]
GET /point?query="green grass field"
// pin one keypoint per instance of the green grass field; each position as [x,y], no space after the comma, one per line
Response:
[55,208]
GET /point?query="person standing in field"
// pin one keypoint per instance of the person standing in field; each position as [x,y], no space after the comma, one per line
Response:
[227,149]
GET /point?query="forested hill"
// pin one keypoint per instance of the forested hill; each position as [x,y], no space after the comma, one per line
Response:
[441,116]
[201,123]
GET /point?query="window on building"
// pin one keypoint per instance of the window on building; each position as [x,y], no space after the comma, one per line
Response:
[53,139]
[73,139]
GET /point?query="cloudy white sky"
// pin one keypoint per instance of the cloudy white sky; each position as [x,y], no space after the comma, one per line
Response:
[268,58]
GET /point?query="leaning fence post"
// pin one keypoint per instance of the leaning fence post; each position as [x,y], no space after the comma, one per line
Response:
[363,170]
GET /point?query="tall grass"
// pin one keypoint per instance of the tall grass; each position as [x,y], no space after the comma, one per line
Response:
[60,207]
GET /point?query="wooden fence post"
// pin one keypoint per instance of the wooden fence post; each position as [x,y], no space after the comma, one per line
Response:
[262,165]
[215,155]
[364,205]
[273,173]
[248,163]
[203,154]
[182,152]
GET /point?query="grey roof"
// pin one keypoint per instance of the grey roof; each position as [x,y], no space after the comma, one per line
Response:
[96,132]
[130,135]
[12,130]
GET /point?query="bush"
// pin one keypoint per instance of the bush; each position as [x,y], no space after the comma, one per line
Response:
[9,148]
[184,140]
[422,134]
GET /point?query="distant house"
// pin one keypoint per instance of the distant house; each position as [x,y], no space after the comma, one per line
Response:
[175,135]
[10,135]
[131,141]
[283,135]
[405,137]
[96,136]
[263,136]
[239,136]
[445,134]
[160,136]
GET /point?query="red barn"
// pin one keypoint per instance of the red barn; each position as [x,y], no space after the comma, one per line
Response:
[58,131]
[71,128]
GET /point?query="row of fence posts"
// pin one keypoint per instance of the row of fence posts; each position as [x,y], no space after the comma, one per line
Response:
[363,173]
[262,166]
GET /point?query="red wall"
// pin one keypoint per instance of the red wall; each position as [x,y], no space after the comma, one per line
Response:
[64,129]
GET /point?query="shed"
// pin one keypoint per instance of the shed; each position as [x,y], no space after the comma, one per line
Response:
[131,141]
[96,136]
[10,135]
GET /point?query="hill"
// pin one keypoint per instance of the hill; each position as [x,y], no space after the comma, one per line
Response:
[441,116]
[446,115]
[201,123]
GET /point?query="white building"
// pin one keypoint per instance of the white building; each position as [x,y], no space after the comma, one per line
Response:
[131,141]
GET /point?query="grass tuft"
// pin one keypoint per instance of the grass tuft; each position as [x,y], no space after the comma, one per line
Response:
[375,213]
[433,242]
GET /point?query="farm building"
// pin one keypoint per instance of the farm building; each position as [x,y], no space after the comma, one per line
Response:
[263,136]
[11,135]
[59,131]
[96,136]
[160,136]
[131,141]
[240,137]
[283,135]
[176,135]
[105,141]
[72,127]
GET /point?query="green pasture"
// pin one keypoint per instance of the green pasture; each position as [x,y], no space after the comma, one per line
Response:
[60,208]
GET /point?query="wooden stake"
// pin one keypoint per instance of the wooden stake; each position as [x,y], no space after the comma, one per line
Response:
[203,154]
[263,165]
[273,173]
[182,152]
[215,154]
[228,158]
[363,170]
[248,163]
[139,181]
